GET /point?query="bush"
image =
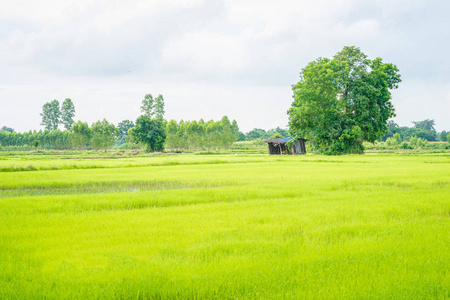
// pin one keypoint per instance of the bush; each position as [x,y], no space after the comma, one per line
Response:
[406,146]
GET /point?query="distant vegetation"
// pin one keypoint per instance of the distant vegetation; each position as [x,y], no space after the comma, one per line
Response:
[150,131]
[422,129]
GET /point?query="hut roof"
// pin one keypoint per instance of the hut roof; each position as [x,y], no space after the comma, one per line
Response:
[280,140]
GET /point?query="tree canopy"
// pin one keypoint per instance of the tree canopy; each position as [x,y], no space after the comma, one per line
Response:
[7,129]
[50,115]
[147,105]
[103,134]
[422,129]
[158,108]
[67,113]
[425,124]
[123,127]
[343,101]
[81,134]
[153,107]
[149,132]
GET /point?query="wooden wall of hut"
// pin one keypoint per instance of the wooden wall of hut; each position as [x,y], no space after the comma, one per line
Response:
[298,147]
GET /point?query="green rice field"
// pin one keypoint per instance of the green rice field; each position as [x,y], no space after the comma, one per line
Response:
[225,226]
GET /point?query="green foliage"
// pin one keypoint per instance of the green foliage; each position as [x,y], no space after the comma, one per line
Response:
[443,136]
[149,132]
[81,134]
[172,137]
[103,134]
[341,102]
[123,127]
[258,133]
[448,138]
[390,142]
[201,135]
[397,138]
[236,133]
[419,130]
[153,107]
[406,146]
[35,144]
[255,133]
[276,136]
[420,142]
[147,105]
[55,139]
[67,113]
[278,130]
[407,132]
[240,136]
[50,115]
[158,108]
[425,125]
[7,129]
[417,142]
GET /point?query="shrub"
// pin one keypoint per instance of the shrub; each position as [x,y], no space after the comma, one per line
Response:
[406,146]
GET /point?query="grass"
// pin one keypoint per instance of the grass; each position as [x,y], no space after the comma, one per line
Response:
[227,226]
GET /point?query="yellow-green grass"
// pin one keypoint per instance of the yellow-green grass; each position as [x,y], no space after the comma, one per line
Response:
[189,226]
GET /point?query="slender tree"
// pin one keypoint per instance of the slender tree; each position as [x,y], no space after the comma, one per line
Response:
[50,115]
[147,105]
[228,136]
[171,135]
[158,109]
[67,113]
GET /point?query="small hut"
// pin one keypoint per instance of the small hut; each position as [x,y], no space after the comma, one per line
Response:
[281,146]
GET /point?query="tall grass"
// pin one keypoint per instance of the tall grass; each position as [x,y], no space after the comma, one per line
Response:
[372,226]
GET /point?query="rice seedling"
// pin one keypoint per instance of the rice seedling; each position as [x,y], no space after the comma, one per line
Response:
[224,226]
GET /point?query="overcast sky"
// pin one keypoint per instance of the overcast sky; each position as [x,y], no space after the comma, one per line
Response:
[210,58]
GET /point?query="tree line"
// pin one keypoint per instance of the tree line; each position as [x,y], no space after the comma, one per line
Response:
[423,130]
[201,135]
[150,130]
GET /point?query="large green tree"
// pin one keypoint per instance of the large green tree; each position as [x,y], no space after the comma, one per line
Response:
[67,113]
[103,134]
[343,101]
[50,115]
[149,132]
